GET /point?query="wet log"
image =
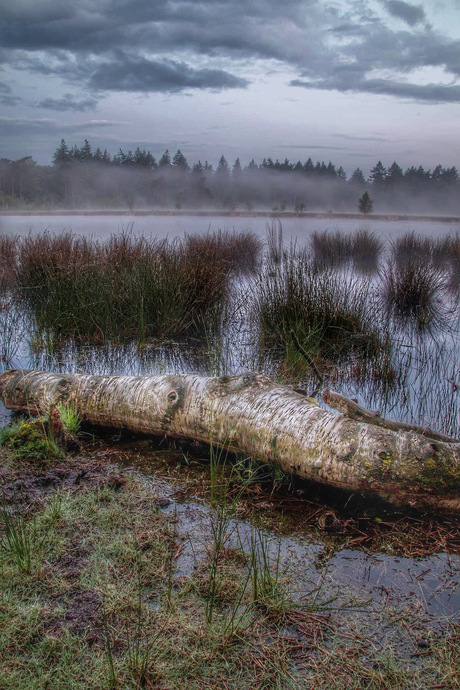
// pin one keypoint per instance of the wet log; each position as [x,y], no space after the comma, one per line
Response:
[251,414]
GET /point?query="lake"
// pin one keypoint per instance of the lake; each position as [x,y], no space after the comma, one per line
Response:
[420,392]
[294,229]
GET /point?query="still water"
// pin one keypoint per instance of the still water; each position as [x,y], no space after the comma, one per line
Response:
[294,229]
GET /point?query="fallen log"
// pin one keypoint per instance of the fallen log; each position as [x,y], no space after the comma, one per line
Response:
[251,414]
[352,410]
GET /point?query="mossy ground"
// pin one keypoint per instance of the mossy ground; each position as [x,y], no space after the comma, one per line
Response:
[102,606]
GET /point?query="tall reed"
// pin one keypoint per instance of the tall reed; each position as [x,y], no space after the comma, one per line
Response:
[331,249]
[411,248]
[414,293]
[331,314]
[129,287]
[240,250]
[8,261]
[366,250]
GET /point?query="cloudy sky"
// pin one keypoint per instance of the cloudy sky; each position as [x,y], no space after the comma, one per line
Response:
[351,81]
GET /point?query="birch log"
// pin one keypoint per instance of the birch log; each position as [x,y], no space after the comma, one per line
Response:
[253,415]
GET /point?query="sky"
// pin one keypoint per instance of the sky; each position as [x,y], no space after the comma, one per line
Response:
[347,81]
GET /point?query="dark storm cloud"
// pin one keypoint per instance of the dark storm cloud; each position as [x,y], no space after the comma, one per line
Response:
[139,74]
[171,45]
[68,102]
[411,14]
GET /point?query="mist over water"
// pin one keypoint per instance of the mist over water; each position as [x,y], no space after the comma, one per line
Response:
[297,230]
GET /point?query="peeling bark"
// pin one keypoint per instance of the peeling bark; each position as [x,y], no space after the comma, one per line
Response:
[255,416]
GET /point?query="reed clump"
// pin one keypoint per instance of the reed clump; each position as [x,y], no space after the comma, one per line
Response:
[333,315]
[414,292]
[240,250]
[331,249]
[454,263]
[8,261]
[129,287]
[366,251]
[411,249]
[337,250]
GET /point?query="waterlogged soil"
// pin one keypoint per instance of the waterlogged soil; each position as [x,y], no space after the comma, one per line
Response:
[338,548]
[385,579]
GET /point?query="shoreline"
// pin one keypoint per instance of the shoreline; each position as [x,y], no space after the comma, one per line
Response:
[236,214]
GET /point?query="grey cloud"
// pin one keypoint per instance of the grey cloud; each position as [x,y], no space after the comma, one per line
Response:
[139,74]
[432,93]
[310,146]
[349,137]
[68,102]
[22,125]
[411,14]
[7,97]
[140,45]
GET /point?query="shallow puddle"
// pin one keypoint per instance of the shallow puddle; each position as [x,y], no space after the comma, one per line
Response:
[321,569]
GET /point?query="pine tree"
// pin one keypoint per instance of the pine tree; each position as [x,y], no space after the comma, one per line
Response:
[165,160]
[222,167]
[62,154]
[180,162]
[365,203]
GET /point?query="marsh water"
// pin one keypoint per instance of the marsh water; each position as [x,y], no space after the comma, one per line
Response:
[372,583]
[425,361]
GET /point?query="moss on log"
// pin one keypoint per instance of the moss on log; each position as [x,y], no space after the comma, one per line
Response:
[253,415]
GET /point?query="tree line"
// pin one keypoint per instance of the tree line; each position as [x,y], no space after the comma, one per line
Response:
[80,177]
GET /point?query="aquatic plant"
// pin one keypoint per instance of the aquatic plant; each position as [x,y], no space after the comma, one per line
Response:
[331,249]
[366,250]
[130,287]
[240,250]
[332,314]
[411,248]
[8,261]
[414,292]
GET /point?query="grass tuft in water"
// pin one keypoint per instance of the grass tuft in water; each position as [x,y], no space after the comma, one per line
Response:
[414,292]
[129,287]
[332,315]
[331,249]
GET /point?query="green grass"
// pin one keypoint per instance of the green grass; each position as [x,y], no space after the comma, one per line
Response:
[31,439]
[18,541]
[71,420]
[96,613]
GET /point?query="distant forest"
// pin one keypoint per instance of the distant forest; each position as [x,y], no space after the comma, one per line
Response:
[80,177]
